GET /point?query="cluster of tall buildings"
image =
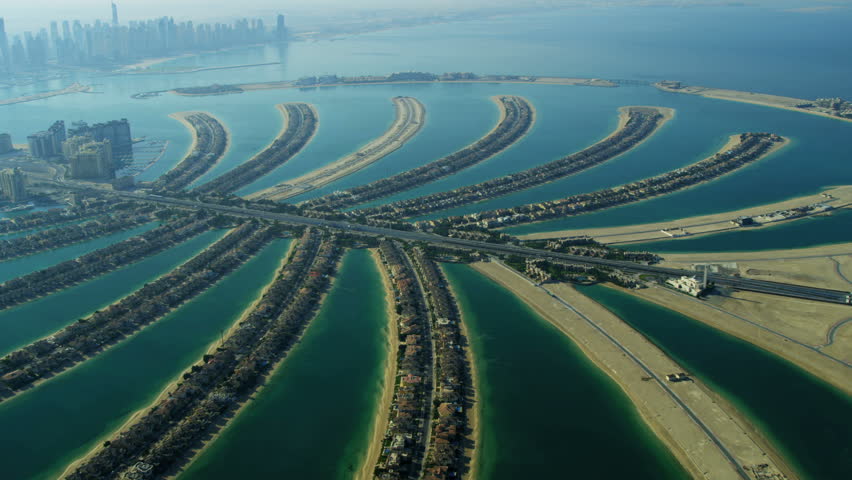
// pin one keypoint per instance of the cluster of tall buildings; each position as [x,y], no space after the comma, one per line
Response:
[91,151]
[73,43]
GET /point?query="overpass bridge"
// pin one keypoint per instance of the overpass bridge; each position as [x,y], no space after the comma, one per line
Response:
[753,285]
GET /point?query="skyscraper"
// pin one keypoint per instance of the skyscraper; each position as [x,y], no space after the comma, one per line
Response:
[12,184]
[114,15]
[6,143]
[280,29]
[93,161]
[4,47]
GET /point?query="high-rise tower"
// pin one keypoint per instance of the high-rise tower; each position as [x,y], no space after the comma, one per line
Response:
[4,47]
[114,15]
[280,29]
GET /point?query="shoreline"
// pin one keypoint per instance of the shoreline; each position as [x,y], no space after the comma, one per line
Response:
[135,416]
[733,140]
[338,169]
[825,368]
[181,117]
[474,417]
[386,398]
[678,428]
[700,224]
[761,99]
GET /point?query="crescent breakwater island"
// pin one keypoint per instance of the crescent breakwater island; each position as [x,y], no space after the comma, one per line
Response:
[300,124]
[740,151]
[210,142]
[635,126]
[73,88]
[410,118]
[517,116]
[218,387]
[83,340]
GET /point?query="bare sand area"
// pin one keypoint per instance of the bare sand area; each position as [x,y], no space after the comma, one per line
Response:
[812,335]
[380,425]
[828,266]
[410,118]
[73,88]
[763,99]
[707,435]
[836,197]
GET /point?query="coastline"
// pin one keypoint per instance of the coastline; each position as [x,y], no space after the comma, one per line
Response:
[181,117]
[344,166]
[806,357]
[386,398]
[761,99]
[677,428]
[699,225]
[135,416]
[733,140]
[475,412]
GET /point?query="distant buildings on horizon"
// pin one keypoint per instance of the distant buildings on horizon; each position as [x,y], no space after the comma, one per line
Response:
[104,43]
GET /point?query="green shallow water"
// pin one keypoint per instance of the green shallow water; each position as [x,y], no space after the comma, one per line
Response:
[804,233]
[809,420]
[28,322]
[24,265]
[62,419]
[313,419]
[547,411]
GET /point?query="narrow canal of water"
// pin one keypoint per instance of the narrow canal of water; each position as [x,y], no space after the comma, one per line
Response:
[547,411]
[314,417]
[30,321]
[24,265]
[63,418]
[809,420]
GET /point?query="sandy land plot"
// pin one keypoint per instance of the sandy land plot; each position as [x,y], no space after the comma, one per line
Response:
[763,99]
[182,118]
[791,328]
[840,197]
[828,266]
[383,409]
[692,445]
[410,117]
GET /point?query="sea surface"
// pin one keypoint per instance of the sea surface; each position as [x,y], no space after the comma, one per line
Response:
[546,410]
[63,418]
[804,417]
[25,323]
[314,417]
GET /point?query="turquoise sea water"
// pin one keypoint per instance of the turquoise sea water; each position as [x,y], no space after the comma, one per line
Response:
[63,418]
[546,409]
[805,417]
[324,395]
[23,265]
[30,321]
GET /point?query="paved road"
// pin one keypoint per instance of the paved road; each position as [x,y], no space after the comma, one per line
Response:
[761,286]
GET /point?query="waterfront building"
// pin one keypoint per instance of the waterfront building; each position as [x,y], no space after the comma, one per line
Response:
[93,161]
[117,132]
[4,47]
[689,285]
[41,145]
[73,145]
[6,143]
[280,29]
[114,15]
[12,184]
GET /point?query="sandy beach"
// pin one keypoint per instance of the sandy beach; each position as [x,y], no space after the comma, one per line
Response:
[813,335]
[410,118]
[181,117]
[380,425]
[762,99]
[474,413]
[676,426]
[699,225]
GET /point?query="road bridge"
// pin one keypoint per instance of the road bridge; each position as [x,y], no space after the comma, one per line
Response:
[760,286]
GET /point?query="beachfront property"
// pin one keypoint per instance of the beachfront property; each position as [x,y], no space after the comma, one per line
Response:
[690,285]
